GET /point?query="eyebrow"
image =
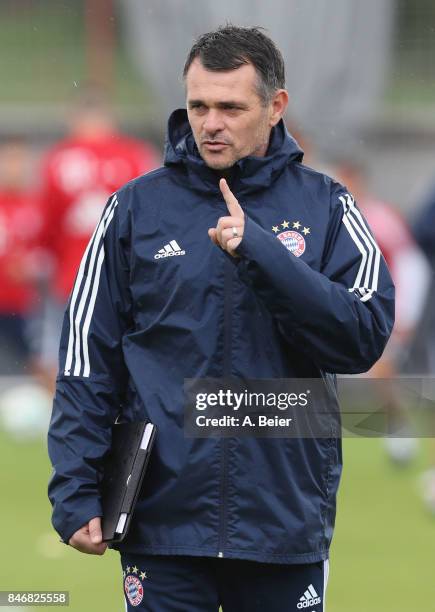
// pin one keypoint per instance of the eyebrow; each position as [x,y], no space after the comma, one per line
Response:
[222,104]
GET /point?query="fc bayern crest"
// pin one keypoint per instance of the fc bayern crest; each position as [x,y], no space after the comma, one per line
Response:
[293,241]
[133,589]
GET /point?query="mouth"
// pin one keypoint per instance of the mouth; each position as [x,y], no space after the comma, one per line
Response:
[214,145]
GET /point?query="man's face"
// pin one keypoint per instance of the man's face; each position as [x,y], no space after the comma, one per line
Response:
[226,114]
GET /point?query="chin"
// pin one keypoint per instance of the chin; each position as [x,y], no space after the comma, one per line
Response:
[220,166]
[216,164]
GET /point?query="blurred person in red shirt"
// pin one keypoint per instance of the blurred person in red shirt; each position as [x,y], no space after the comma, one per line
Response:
[422,354]
[79,174]
[423,229]
[20,222]
[405,260]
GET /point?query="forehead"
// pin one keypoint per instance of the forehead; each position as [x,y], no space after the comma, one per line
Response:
[202,84]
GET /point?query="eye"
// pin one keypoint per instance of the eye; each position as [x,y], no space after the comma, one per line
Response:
[197,106]
[232,109]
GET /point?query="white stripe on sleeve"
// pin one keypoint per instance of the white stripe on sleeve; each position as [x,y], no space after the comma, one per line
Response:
[90,312]
[370,252]
[377,261]
[82,290]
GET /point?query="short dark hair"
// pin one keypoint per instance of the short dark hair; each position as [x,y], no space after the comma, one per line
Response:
[229,47]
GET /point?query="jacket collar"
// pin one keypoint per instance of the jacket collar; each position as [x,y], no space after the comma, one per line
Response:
[249,173]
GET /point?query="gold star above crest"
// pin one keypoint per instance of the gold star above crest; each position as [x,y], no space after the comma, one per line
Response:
[127,569]
[296,224]
[306,230]
[285,224]
[124,574]
[275,229]
[134,570]
[143,575]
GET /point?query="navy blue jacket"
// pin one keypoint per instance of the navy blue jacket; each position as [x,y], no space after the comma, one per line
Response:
[309,294]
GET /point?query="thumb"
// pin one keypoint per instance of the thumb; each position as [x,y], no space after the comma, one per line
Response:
[233,205]
[95,530]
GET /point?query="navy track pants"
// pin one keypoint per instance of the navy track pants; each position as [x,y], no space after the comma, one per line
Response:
[160,583]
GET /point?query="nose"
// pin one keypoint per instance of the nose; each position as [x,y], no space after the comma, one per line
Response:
[213,122]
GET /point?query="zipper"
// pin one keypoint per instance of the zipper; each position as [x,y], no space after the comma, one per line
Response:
[226,371]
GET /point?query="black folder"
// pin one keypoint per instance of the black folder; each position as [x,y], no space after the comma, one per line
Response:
[124,470]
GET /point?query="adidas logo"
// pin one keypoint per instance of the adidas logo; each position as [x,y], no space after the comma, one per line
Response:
[169,250]
[309,598]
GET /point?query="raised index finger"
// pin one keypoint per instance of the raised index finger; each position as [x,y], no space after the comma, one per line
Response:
[233,205]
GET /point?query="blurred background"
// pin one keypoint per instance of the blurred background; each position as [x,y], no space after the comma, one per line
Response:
[86,88]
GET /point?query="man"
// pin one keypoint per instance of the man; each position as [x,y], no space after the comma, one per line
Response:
[236,260]
[20,221]
[78,175]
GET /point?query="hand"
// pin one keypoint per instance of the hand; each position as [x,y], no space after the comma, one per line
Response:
[89,538]
[222,235]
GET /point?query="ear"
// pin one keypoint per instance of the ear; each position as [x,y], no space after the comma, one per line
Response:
[278,106]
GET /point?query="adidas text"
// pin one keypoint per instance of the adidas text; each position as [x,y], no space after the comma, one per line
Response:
[308,603]
[170,250]
[171,254]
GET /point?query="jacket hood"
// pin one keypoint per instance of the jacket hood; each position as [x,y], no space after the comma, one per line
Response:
[249,173]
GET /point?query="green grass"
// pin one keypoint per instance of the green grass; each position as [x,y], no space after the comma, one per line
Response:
[383,555]
[41,52]
[382,559]
[410,93]
[43,57]
[31,555]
